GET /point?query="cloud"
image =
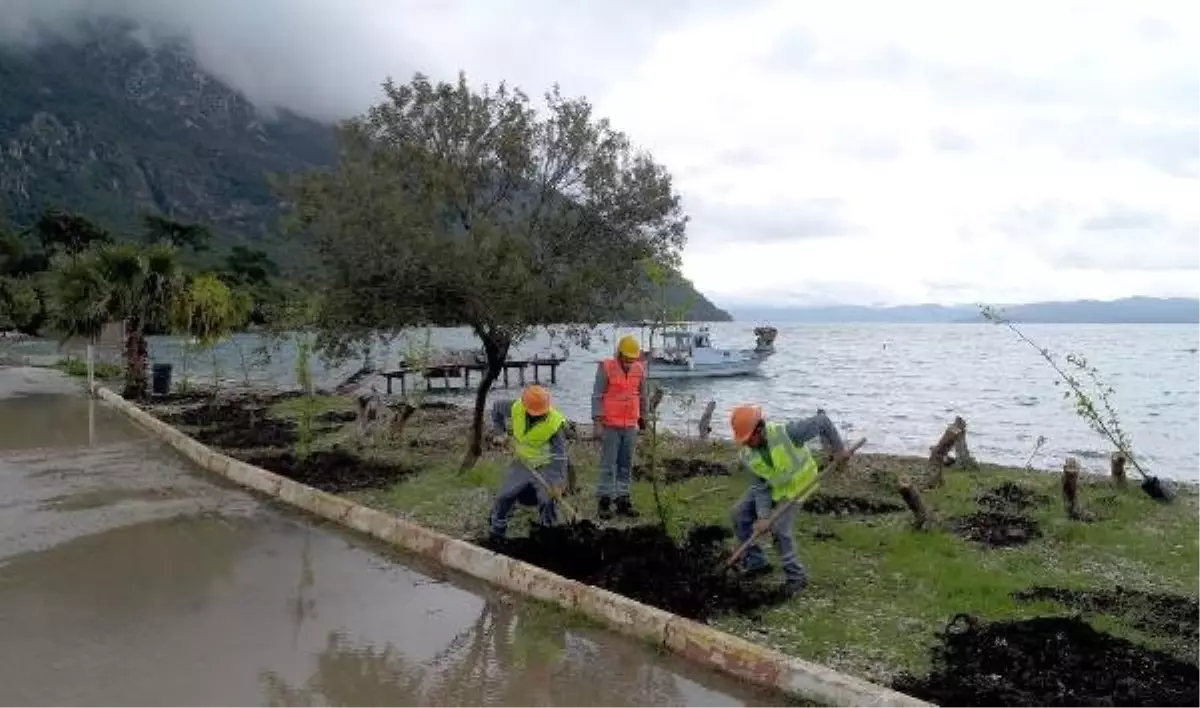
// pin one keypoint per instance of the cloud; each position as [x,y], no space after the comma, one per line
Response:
[930,150]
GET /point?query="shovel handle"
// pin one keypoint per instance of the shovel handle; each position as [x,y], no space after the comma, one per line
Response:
[782,508]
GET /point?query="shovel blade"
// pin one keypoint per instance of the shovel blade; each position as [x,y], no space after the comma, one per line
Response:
[1155,489]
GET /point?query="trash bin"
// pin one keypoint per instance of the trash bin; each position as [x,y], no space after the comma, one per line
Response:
[160,379]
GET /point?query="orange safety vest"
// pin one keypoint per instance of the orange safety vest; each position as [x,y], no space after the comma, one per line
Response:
[622,396]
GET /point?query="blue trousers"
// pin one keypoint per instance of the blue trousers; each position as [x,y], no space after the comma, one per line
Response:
[520,486]
[744,515]
[616,458]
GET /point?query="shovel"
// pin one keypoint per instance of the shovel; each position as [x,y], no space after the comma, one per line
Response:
[571,512]
[782,508]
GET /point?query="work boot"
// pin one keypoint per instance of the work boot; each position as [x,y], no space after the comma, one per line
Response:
[605,509]
[793,588]
[624,508]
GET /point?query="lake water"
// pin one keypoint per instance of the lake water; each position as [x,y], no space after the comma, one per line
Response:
[899,385]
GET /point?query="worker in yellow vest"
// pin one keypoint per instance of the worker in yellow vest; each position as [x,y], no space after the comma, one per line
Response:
[783,468]
[539,441]
[618,413]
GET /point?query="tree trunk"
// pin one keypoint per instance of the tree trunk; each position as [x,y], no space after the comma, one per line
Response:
[1070,489]
[497,353]
[937,455]
[962,454]
[706,420]
[1118,468]
[135,362]
[916,504]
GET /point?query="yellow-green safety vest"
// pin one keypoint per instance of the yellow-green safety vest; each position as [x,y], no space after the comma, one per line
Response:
[532,445]
[791,468]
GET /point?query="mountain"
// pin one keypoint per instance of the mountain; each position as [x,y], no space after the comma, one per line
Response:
[110,127]
[1125,311]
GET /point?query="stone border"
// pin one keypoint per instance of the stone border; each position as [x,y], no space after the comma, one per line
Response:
[691,640]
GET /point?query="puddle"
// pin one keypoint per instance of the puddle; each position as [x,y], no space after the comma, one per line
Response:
[97,498]
[1049,661]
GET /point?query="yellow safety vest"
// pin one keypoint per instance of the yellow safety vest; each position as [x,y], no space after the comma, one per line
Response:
[790,469]
[532,445]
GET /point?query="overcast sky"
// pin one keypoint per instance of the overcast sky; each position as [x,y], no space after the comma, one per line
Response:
[858,152]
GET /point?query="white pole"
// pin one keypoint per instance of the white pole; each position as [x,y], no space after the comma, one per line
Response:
[91,369]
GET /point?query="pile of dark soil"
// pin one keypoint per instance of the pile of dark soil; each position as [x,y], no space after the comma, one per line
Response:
[265,432]
[847,506]
[1049,661]
[1011,497]
[996,529]
[644,563]
[1154,613]
[334,470]
[337,417]
[677,469]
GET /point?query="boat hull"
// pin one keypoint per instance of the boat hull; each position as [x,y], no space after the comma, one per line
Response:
[661,370]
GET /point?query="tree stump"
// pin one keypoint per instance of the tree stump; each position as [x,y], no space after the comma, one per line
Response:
[1118,468]
[937,454]
[655,399]
[572,480]
[1070,489]
[962,455]
[916,504]
[706,420]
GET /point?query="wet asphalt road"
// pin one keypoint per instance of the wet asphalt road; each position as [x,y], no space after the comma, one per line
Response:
[128,577]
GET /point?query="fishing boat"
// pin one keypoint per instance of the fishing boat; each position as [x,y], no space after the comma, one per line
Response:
[678,350]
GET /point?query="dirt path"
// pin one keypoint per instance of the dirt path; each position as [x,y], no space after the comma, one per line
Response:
[126,577]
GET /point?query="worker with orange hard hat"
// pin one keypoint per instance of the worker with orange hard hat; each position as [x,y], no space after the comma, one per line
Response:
[783,468]
[618,412]
[539,439]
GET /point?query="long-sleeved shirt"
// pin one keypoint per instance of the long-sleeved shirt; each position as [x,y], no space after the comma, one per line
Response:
[601,385]
[800,431]
[554,473]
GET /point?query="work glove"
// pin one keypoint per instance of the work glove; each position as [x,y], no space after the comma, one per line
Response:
[762,526]
[641,423]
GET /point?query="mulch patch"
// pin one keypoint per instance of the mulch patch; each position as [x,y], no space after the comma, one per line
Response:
[677,469]
[1011,497]
[1155,613]
[644,563]
[847,505]
[996,529]
[334,471]
[1048,661]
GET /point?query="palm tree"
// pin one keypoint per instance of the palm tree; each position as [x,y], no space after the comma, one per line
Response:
[136,284]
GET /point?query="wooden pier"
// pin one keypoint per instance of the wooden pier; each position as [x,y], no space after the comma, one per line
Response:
[459,371]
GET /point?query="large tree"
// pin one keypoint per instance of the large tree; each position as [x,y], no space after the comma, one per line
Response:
[456,206]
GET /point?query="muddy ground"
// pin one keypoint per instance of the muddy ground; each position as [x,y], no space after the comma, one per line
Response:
[996,529]
[1156,613]
[1049,661]
[644,563]
[677,469]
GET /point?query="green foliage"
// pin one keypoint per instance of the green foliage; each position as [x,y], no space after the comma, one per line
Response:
[64,232]
[1085,388]
[161,230]
[306,411]
[79,368]
[115,282]
[457,206]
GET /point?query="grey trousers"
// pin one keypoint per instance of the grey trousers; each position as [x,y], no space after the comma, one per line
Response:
[616,458]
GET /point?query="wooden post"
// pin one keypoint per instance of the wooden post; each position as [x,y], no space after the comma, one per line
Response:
[403,384]
[1118,468]
[466,377]
[536,379]
[916,504]
[554,373]
[937,454]
[504,371]
[521,374]
[962,455]
[706,420]
[1070,489]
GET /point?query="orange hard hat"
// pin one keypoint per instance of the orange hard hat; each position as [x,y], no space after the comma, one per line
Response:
[743,420]
[536,400]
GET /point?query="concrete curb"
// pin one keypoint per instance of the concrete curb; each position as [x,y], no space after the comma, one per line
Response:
[693,641]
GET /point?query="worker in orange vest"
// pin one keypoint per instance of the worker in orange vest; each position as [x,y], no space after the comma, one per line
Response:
[618,412]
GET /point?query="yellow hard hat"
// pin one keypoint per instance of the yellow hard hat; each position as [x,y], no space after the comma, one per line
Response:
[628,347]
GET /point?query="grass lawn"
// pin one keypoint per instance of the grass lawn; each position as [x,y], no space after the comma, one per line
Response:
[880,591]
